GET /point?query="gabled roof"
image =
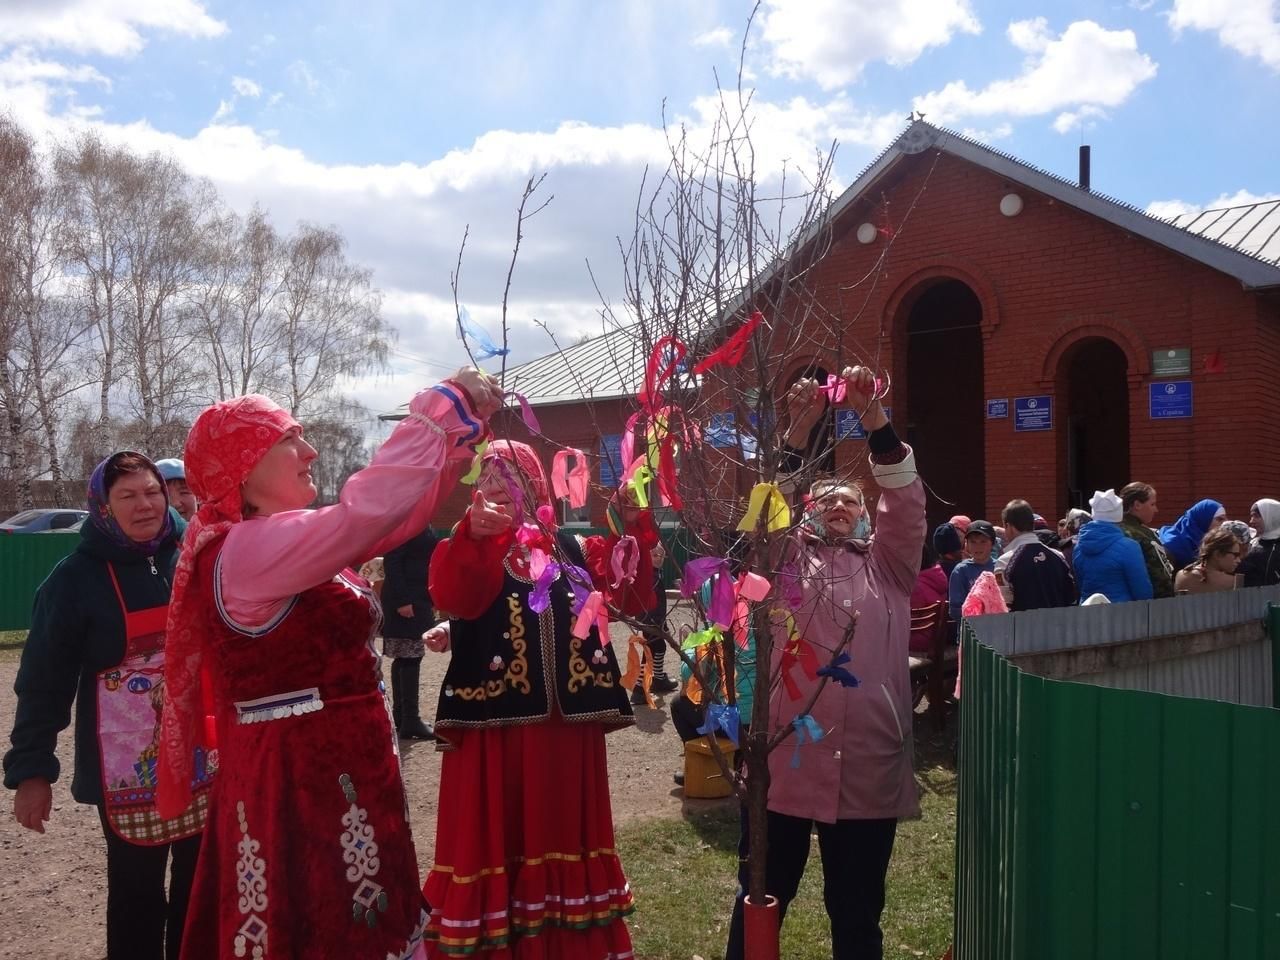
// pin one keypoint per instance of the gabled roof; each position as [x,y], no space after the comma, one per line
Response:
[1242,242]
[1252,228]
[1254,269]
[604,367]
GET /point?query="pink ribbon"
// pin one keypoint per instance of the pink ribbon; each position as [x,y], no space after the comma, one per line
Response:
[624,560]
[570,484]
[526,412]
[753,587]
[835,389]
[595,612]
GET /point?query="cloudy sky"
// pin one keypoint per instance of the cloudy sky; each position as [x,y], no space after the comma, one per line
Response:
[401,122]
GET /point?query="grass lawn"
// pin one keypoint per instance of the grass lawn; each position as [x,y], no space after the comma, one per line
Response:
[684,875]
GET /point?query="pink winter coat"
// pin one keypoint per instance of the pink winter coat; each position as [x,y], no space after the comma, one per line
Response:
[931,586]
[862,768]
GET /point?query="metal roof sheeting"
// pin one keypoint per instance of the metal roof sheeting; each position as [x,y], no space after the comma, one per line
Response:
[1253,228]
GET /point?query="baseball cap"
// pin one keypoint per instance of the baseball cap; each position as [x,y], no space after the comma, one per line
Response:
[982,527]
[172,469]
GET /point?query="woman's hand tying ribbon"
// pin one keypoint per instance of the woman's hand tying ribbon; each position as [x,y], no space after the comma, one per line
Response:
[486,519]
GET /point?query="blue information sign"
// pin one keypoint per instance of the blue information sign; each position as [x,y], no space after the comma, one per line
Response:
[721,432]
[998,409]
[1033,413]
[849,426]
[1170,400]
[610,460]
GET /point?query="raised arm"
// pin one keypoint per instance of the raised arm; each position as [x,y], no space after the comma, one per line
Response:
[267,560]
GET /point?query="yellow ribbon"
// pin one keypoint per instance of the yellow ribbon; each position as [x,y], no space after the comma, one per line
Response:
[711,634]
[762,495]
[639,486]
[474,473]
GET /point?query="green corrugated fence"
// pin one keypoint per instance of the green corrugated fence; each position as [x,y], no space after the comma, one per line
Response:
[1104,823]
[25,560]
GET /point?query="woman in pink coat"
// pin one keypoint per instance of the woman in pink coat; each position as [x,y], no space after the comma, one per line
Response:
[857,782]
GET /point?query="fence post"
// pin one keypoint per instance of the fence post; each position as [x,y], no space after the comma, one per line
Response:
[1273,631]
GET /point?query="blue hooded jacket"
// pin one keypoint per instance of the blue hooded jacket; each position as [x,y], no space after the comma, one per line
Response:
[1108,562]
[1182,540]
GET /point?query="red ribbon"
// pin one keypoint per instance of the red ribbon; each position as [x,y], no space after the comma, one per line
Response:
[734,349]
[658,371]
[797,652]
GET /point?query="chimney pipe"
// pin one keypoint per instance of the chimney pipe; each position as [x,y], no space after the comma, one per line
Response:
[1084,167]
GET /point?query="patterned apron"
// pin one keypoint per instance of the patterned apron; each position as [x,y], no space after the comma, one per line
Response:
[130,699]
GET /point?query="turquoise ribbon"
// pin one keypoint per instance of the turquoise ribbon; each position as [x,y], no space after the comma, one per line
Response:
[804,724]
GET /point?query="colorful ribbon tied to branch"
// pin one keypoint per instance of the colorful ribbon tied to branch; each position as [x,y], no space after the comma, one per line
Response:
[789,585]
[804,726]
[624,560]
[664,358]
[526,412]
[468,329]
[638,484]
[766,496]
[540,596]
[594,612]
[837,672]
[639,667]
[797,654]
[696,573]
[835,389]
[477,461]
[571,484]
[700,638]
[731,352]
[722,716]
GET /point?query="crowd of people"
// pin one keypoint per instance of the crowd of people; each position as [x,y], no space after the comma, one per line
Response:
[231,712]
[1110,553]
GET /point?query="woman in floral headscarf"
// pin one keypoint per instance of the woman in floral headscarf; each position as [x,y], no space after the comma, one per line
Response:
[525,862]
[308,846]
[97,636]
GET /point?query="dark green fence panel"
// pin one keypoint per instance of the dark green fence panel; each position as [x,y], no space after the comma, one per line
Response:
[1105,823]
[25,560]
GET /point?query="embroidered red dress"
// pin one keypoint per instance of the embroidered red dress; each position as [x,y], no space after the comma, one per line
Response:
[525,860]
[307,852]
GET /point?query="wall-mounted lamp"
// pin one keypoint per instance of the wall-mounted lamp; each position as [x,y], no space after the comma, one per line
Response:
[1011,204]
[867,233]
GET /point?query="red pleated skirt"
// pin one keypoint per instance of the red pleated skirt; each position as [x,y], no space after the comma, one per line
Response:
[525,860]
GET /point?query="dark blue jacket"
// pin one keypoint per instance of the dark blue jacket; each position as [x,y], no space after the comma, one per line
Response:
[1108,562]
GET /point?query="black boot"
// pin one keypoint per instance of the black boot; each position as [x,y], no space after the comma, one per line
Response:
[661,682]
[411,725]
[397,711]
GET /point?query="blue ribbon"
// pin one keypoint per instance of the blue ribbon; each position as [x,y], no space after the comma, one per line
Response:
[540,598]
[722,716]
[804,724]
[837,672]
[469,329]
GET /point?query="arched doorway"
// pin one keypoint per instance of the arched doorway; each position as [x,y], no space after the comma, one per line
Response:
[944,398]
[1093,380]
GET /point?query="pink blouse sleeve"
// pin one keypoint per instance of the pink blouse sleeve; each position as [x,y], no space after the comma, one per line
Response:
[265,561]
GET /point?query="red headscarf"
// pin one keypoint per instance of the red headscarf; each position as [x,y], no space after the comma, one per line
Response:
[226,442]
[524,457]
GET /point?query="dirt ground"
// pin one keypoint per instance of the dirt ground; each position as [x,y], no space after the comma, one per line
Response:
[53,892]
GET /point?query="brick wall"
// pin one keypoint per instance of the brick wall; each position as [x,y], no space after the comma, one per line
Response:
[1048,280]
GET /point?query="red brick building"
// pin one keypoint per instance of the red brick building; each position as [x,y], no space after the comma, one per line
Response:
[1043,341]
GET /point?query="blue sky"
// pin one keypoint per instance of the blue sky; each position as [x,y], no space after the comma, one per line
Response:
[403,121]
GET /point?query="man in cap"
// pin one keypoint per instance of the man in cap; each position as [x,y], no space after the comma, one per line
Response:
[180,496]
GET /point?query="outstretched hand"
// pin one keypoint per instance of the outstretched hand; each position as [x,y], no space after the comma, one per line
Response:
[860,393]
[804,404]
[487,519]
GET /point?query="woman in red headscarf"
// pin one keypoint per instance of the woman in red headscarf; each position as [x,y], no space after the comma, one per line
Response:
[270,632]
[525,862]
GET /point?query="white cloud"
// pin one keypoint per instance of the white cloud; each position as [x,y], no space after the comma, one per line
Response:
[110,27]
[245,87]
[1250,27]
[1167,209]
[1077,119]
[831,41]
[719,37]
[300,73]
[1085,69]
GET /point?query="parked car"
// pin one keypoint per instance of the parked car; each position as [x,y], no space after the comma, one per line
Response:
[45,520]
